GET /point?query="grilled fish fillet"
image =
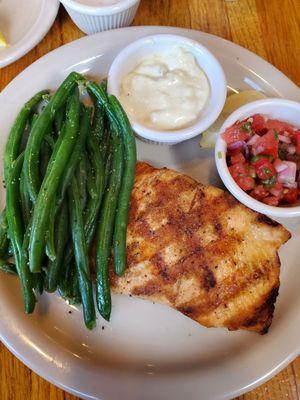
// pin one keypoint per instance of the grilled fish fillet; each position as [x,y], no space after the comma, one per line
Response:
[198,250]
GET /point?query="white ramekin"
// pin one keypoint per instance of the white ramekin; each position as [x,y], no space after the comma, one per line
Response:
[130,56]
[92,19]
[283,110]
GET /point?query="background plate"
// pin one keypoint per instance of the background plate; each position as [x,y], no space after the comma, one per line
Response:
[24,24]
[149,351]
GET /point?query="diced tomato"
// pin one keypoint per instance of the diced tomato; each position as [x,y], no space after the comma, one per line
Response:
[259,123]
[264,169]
[297,139]
[237,158]
[252,171]
[240,173]
[235,133]
[277,190]
[245,182]
[266,144]
[271,200]
[259,192]
[290,196]
[279,126]
[238,169]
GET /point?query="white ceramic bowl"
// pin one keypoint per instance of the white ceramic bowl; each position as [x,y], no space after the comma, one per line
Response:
[283,110]
[130,56]
[92,19]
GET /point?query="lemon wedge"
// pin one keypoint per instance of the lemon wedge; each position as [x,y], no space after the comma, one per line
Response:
[3,42]
[233,101]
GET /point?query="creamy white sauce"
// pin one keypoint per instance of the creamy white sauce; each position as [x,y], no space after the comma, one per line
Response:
[98,3]
[165,91]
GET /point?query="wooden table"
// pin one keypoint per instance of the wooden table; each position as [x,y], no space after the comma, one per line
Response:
[269,28]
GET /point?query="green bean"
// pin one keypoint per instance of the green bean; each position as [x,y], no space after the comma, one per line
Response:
[99,93]
[92,209]
[4,241]
[38,282]
[31,162]
[8,267]
[118,116]
[81,255]
[58,162]
[50,241]
[96,189]
[24,194]
[81,175]
[49,139]
[25,200]
[69,288]
[75,289]
[76,155]
[71,167]
[59,119]
[105,228]
[121,219]
[15,230]
[12,147]
[61,239]
[98,120]
[46,151]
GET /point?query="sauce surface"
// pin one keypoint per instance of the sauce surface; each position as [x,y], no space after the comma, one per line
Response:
[165,91]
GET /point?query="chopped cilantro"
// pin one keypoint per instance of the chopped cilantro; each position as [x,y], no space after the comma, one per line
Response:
[246,127]
[254,159]
[219,154]
[282,153]
[270,182]
[266,170]
[276,134]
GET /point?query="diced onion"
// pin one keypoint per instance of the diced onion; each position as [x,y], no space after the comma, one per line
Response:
[236,145]
[291,149]
[288,175]
[292,185]
[253,140]
[284,139]
[279,165]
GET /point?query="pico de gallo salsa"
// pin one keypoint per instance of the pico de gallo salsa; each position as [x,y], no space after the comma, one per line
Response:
[263,157]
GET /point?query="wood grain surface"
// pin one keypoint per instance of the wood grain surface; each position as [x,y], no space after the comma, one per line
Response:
[270,28]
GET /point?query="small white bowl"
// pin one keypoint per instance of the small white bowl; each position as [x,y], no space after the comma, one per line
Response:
[91,19]
[130,56]
[283,110]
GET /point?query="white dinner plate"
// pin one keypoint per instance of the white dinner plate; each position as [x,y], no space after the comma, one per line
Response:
[24,23]
[149,351]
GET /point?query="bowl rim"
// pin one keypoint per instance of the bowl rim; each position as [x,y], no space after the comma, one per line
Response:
[221,147]
[99,10]
[178,135]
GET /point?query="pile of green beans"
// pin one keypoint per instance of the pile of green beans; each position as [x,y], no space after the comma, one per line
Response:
[69,171]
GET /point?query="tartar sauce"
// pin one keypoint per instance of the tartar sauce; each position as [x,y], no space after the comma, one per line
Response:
[165,91]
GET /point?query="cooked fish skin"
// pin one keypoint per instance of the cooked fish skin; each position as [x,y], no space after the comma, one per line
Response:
[198,250]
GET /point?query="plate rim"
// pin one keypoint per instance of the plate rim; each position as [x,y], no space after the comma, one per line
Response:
[272,370]
[48,13]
